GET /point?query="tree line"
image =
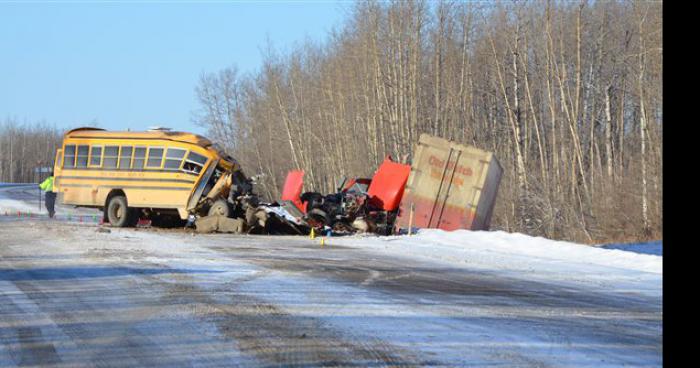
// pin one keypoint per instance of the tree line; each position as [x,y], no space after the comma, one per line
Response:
[24,147]
[567,94]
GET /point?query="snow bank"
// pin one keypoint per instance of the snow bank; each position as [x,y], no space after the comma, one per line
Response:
[12,206]
[25,198]
[508,251]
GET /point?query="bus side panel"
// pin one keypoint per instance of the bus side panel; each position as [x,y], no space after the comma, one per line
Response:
[145,188]
[168,197]
[76,194]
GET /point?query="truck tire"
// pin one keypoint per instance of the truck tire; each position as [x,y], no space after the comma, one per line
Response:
[220,207]
[118,213]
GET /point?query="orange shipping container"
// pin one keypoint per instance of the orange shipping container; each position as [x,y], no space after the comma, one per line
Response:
[451,186]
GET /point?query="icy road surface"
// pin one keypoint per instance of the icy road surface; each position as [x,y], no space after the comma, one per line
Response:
[71,296]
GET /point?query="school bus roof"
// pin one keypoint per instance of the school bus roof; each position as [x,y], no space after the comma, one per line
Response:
[98,133]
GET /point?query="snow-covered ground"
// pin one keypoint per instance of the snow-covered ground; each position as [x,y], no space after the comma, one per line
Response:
[24,198]
[518,255]
[72,296]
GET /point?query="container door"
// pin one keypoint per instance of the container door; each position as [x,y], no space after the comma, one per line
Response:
[444,186]
[420,205]
[458,208]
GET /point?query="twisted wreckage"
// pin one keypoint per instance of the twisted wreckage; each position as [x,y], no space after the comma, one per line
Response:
[169,178]
[449,186]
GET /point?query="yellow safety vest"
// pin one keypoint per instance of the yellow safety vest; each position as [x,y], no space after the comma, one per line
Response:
[47,185]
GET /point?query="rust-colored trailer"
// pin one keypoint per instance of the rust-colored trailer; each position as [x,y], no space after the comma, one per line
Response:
[451,186]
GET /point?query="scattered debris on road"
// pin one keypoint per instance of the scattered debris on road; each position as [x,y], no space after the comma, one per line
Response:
[219,223]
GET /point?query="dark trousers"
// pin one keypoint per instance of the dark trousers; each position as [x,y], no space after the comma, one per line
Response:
[50,202]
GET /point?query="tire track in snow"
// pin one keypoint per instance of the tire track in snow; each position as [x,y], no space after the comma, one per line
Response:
[271,336]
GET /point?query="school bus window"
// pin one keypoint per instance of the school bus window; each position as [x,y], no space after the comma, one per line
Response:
[110,159]
[139,157]
[197,158]
[194,163]
[95,155]
[155,158]
[125,157]
[173,158]
[82,158]
[69,157]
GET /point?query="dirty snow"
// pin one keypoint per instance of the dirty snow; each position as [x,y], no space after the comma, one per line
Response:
[71,296]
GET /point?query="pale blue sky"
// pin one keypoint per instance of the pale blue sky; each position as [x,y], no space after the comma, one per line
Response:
[134,65]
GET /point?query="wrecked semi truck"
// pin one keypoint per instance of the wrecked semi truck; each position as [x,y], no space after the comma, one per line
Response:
[358,205]
[448,186]
[161,175]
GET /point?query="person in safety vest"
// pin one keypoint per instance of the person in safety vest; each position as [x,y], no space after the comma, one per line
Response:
[47,186]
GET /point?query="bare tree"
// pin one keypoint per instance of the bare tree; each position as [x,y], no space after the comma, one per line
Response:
[568,99]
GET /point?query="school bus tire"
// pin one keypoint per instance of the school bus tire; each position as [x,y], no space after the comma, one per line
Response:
[118,212]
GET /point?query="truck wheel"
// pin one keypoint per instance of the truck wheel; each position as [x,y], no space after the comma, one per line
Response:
[118,213]
[220,207]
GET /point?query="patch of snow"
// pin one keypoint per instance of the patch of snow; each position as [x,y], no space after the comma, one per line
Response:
[523,257]
[25,198]
[511,250]
[12,206]
[281,212]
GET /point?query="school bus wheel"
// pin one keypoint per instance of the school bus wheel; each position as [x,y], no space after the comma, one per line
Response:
[118,213]
[220,207]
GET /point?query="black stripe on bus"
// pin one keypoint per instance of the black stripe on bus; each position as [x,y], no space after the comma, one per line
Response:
[126,179]
[123,187]
[76,185]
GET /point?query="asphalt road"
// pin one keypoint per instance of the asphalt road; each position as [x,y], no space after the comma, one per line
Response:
[73,296]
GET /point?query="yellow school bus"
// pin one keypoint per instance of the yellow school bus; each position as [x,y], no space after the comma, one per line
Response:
[156,174]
